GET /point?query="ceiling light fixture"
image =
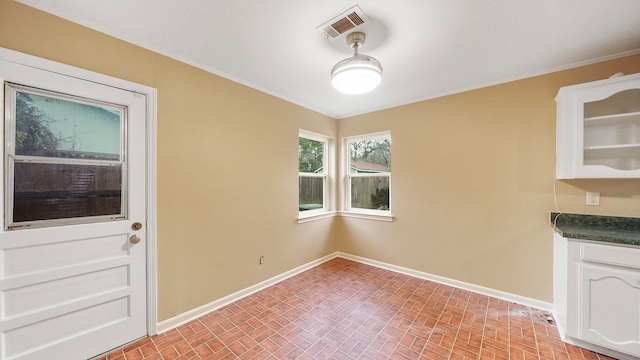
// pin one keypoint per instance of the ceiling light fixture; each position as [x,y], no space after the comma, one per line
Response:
[358,74]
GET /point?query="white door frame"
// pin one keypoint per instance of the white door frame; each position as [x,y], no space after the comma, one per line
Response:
[151,129]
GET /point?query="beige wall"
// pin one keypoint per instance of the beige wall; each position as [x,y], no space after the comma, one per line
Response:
[472,186]
[227,163]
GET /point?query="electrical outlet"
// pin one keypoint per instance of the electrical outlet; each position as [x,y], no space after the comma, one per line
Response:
[593,198]
[261,260]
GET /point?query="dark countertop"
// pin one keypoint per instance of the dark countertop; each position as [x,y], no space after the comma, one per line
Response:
[610,229]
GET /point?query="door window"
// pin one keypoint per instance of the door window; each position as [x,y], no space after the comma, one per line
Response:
[65,159]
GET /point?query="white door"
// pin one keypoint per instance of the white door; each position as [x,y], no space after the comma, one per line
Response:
[72,258]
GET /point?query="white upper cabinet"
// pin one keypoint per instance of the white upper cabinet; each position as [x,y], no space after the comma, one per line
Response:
[598,129]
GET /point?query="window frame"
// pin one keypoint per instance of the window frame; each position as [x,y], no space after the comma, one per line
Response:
[328,192]
[346,208]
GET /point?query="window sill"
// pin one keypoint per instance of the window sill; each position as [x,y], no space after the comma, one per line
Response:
[317,216]
[367,216]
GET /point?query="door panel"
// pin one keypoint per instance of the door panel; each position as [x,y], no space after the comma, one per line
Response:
[611,307]
[38,297]
[72,284]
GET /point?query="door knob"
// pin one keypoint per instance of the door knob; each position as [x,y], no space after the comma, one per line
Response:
[134,239]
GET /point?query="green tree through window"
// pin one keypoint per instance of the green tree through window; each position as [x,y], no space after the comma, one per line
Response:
[32,132]
[310,155]
[373,151]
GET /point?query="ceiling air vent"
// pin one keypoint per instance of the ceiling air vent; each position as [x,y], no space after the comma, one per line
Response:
[344,22]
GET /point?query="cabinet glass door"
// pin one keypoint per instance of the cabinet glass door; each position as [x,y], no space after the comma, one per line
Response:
[612,131]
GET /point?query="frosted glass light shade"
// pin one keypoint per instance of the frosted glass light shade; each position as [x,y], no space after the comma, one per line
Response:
[356,75]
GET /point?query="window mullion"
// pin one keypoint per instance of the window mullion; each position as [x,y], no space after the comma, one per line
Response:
[363,175]
[312,175]
[62,161]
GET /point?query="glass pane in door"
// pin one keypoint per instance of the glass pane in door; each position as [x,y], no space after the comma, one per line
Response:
[62,191]
[57,127]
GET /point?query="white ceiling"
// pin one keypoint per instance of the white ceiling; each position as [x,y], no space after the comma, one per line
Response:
[428,48]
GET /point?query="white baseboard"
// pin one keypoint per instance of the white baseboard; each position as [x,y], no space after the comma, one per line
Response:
[522,300]
[187,316]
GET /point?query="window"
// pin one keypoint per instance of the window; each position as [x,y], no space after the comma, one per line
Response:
[64,160]
[314,167]
[368,174]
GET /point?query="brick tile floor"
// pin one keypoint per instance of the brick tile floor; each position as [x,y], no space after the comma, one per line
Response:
[347,310]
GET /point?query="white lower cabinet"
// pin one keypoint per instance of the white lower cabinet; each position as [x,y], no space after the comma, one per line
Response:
[599,300]
[610,308]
